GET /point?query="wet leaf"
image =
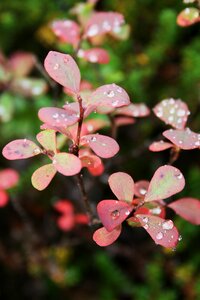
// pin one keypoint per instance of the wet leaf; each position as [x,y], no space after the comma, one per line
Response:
[160,146]
[57,116]
[141,188]
[133,110]
[42,177]
[166,181]
[105,238]
[67,31]
[122,185]
[20,149]
[94,55]
[184,139]
[188,16]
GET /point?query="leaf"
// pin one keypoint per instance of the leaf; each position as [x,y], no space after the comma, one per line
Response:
[3,198]
[47,138]
[166,181]
[141,188]
[160,146]
[67,164]
[162,231]
[184,139]
[103,22]
[64,70]
[20,149]
[110,95]
[64,207]
[97,171]
[42,177]
[66,222]
[172,112]
[133,110]
[29,87]
[188,16]
[102,145]
[122,121]
[112,213]
[67,31]
[90,161]
[94,55]
[105,238]
[21,63]
[188,209]
[93,125]
[122,185]
[8,178]
[57,116]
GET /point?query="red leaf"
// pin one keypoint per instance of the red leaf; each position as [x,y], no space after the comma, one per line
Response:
[67,164]
[184,139]
[105,238]
[94,55]
[166,182]
[122,185]
[81,219]
[8,178]
[110,95]
[133,110]
[42,177]
[67,31]
[20,149]
[66,222]
[57,116]
[188,209]
[90,161]
[97,171]
[64,70]
[173,112]
[162,231]
[112,213]
[64,207]
[188,16]
[102,145]
[141,188]
[3,198]
[103,22]
[160,146]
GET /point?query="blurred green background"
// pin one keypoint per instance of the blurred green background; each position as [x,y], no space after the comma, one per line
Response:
[37,261]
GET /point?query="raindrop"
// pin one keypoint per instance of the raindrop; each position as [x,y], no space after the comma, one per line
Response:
[142,191]
[110,94]
[146,226]
[159,236]
[93,30]
[156,210]
[180,238]
[181,113]
[168,225]
[115,214]
[55,116]
[179,176]
[159,114]
[93,139]
[127,213]
[56,66]
[145,219]
[36,151]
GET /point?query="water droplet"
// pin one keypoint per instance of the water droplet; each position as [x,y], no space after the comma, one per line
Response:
[156,210]
[106,26]
[55,116]
[119,90]
[167,225]
[159,236]
[179,176]
[159,114]
[145,219]
[93,30]
[115,214]
[36,151]
[172,110]
[142,191]
[146,226]
[180,238]
[127,213]
[56,66]
[171,118]
[110,94]
[93,139]
[80,53]
[181,113]
[93,58]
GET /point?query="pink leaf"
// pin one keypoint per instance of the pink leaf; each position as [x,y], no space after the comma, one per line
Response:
[184,139]
[67,31]
[162,231]
[133,110]
[67,164]
[188,209]
[105,238]
[122,185]
[172,112]
[3,198]
[42,177]
[90,161]
[47,138]
[102,145]
[160,146]
[188,16]
[8,178]
[64,207]
[20,149]
[110,95]
[141,188]
[58,116]
[103,22]
[21,63]
[64,70]
[112,213]
[97,171]
[94,55]
[166,181]
[122,121]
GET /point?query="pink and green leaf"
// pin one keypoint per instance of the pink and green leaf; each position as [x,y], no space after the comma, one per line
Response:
[20,149]
[122,185]
[184,139]
[64,70]
[67,164]
[188,16]
[172,112]
[102,145]
[47,138]
[162,231]
[160,146]
[42,177]
[112,213]
[21,63]
[105,238]
[188,209]
[166,181]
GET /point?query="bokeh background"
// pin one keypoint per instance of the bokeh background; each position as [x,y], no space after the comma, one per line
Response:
[37,260]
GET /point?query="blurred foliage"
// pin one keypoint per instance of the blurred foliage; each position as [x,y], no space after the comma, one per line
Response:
[159,60]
